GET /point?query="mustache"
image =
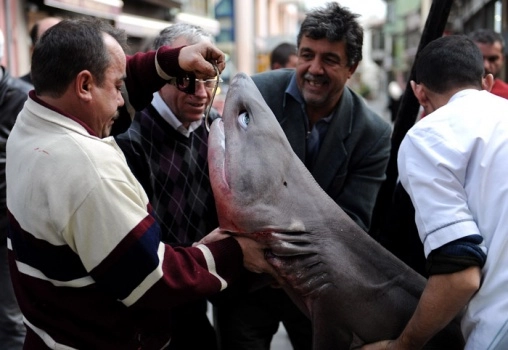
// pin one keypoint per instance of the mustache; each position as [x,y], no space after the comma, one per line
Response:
[320,79]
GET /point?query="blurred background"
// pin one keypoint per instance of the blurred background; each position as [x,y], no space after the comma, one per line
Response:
[247,30]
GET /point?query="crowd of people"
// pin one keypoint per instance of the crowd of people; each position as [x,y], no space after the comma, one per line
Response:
[101,230]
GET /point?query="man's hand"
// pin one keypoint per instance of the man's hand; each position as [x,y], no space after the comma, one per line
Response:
[253,252]
[254,257]
[215,235]
[198,58]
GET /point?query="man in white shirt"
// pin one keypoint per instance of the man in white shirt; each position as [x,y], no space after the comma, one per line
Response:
[453,166]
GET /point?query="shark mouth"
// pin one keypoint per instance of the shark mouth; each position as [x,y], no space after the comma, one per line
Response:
[217,156]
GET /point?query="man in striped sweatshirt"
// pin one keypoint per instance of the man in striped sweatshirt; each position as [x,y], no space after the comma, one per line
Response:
[87,264]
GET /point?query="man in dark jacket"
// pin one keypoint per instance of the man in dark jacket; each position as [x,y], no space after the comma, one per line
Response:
[342,142]
[13,94]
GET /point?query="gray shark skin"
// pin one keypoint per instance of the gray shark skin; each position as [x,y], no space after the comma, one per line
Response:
[353,290]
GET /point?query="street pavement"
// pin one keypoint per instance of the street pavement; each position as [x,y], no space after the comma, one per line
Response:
[280,340]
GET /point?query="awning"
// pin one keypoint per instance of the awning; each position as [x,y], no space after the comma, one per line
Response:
[99,8]
[140,26]
[209,24]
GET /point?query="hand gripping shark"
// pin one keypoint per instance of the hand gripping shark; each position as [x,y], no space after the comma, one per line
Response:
[352,289]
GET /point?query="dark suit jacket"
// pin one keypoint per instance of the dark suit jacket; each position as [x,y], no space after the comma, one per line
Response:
[13,94]
[351,163]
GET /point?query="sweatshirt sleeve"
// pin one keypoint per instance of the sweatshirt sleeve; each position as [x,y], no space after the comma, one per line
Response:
[131,263]
[142,76]
[194,273]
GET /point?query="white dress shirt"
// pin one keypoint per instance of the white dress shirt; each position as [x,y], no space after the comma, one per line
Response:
[454,165]
[168,115]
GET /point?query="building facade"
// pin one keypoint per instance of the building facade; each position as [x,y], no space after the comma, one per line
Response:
[141,19]
[405,20]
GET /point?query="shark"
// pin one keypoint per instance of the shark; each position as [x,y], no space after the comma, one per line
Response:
[353,290]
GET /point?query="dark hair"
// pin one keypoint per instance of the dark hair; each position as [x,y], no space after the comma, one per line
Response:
[281,54]
[334,23]
[192,33]
[33,33]
[449,62]
[486,36]
[69,47]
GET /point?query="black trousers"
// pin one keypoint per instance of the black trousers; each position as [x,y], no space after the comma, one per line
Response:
[192,328]
[249,321]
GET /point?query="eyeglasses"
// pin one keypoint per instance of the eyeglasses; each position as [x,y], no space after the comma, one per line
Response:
[189,86]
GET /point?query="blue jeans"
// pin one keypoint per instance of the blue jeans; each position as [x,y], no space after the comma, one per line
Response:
[12,329]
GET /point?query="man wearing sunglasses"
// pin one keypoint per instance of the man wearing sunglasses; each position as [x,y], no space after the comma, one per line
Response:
[491,44]
[166,148]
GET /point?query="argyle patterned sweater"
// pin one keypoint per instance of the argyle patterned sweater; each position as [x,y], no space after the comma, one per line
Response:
[173,170]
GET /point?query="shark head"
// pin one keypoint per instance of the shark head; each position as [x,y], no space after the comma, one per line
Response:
[255,174]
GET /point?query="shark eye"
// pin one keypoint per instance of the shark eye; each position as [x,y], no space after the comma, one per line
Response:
[244,120]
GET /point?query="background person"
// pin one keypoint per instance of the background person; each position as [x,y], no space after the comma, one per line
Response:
[13,94]
[36,32]
[452,165]
[283,56]
[88,267]
[395,93]
[343,143]
[491,45]
[166,149]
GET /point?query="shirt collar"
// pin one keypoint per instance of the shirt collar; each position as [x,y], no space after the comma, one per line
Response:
[462,93]
[293,91]
[34,97]
[167,114]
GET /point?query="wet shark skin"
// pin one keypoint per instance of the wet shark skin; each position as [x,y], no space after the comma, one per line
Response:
[353,290]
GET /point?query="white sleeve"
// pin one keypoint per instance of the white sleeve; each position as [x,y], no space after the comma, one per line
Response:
[432,171]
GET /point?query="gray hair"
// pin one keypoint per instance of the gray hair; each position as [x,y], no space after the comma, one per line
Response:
[192,33]
[334,23]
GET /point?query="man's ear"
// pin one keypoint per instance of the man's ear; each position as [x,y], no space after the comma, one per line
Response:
[276,65]
[420,93]
[83,85]
[488,82]
[352,69]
